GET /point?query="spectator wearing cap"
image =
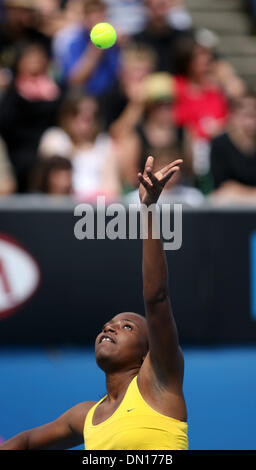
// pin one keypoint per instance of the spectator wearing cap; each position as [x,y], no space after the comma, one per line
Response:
[82,64]
[154,133]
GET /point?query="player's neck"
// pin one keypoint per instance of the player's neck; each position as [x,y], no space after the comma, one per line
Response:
[118,382]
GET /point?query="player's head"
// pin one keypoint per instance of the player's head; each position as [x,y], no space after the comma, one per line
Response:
[123,343]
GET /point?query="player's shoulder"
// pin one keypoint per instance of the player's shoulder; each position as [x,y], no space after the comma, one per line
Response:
[76,416]
[82,408]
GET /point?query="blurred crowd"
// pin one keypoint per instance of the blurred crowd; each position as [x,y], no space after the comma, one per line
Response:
[80,121]
[252,9]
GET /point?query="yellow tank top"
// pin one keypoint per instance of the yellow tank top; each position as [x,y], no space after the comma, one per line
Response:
[135,426]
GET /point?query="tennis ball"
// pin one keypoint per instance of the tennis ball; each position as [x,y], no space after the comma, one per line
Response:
[103,35]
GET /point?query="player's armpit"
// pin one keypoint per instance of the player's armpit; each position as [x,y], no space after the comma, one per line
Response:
[165,359]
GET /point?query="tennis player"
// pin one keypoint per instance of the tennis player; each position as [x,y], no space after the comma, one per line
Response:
[144,408]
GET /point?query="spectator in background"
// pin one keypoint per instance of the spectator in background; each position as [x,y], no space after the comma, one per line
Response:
[223,73]
[159,34]
[154,133]
[21,24]
[82,64]
[53,176]
[7,177]
[1,12]
[51,15]
[121,106]
[27,109]
[200,108]
[179,17]
[127,16]
[130,16]
[252,10]
[92,152]
[58,18]
[253,3]
[200,104]
[56,140]
[233,154]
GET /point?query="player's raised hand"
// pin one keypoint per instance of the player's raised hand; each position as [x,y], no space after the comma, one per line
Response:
[151,185]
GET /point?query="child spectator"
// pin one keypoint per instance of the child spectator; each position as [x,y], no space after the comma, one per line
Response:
[54,176]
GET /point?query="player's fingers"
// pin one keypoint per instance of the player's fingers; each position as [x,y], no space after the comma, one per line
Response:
[149,165]
[172,165]
[170,173]
[144,182]
[153,178]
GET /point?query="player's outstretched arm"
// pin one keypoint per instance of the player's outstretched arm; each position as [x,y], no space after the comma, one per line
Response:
[165,356]
[63,433]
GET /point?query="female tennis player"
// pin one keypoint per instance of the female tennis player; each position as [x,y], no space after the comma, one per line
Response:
[144,408]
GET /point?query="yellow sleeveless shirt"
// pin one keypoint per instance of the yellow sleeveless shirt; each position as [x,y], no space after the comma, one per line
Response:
[135,426]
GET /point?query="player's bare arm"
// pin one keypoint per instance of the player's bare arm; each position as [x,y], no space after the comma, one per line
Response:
[63,433]
[164,364]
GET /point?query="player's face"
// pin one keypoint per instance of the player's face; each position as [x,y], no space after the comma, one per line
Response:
[123,343]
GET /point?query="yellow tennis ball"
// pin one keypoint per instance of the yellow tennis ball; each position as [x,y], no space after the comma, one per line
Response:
[103,35]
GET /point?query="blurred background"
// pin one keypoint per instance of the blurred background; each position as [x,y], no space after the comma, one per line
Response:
[77,122]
